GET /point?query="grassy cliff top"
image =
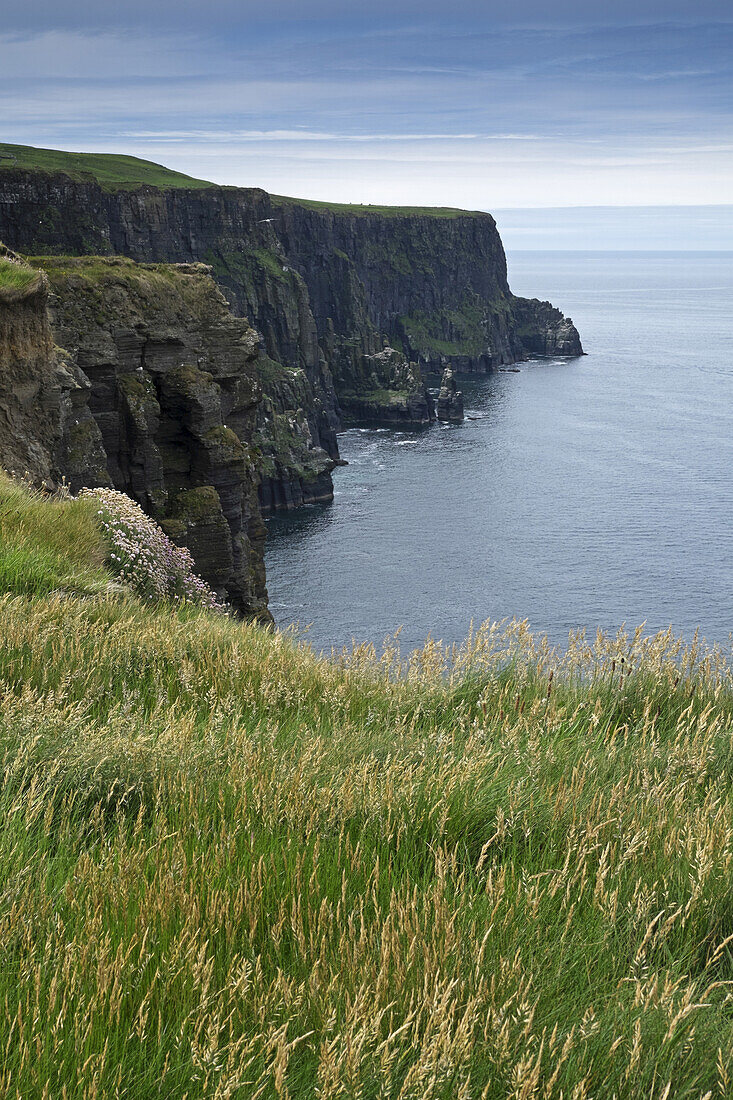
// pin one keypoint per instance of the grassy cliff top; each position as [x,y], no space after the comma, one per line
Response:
[99,267]
[157,281]
[232,868]
[449,212]
[116,172]
[113,171]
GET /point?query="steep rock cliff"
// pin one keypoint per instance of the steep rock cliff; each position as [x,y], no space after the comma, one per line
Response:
[326,288]
[158,396]
[434,281]
[44,414]
[294,469]
[228,228]
[449,406]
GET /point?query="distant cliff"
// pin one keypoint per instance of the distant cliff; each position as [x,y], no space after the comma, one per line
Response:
[122,363]
[435,282]
[327,289]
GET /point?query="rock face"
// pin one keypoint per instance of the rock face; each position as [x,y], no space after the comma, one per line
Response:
[543,330]
[434,282]
[450,399]
[294,469]
[385,389]
[155,393]
[349,303]
[44,414]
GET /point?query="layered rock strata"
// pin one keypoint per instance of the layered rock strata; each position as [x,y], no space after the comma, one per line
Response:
[154,392]
[44,413]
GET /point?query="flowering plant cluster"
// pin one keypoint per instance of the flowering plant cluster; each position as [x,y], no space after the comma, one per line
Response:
[143,556]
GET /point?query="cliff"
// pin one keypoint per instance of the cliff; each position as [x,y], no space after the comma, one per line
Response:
[43,395]
[434,282]
[139,376]
[327,289]
[122,363]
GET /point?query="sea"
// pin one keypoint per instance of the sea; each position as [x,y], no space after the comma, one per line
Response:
[590,493]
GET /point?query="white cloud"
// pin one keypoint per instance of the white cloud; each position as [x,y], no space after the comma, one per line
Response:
[376,118]
[227,136]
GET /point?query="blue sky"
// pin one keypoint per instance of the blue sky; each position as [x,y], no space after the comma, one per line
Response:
[487,106]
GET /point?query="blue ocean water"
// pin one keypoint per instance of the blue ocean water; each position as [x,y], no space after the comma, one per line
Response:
[588,493]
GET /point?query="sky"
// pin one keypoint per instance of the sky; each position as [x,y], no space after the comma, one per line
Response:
[508,107]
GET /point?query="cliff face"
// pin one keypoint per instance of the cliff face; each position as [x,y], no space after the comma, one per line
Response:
[327,290]
[435,285]
[43,395]
[434,282]
[134,372]
[154,391]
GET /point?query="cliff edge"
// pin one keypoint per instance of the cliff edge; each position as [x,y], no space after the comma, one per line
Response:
[327,288]
[139,376]
[122,361]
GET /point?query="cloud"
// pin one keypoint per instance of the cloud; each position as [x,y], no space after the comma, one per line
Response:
[428,109]
[228,136]
[252,14]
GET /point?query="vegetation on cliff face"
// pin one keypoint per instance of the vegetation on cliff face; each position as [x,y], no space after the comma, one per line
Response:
[15,275]
[459,332]
[112,170]
[230,868]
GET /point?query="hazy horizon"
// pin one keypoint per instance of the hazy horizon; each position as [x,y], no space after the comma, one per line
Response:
[617,228]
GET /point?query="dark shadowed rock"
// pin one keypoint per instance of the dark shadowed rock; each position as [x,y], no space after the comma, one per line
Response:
[155,393]
[449,406]
[542,330]
[46,429]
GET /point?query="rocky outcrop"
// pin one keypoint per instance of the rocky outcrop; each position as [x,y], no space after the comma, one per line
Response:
[542,330]
[154,392]
[294,469]
[325,288]
[45,421]
[449,406]
[384,388]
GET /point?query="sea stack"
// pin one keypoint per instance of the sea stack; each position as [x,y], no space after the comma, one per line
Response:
[450,399]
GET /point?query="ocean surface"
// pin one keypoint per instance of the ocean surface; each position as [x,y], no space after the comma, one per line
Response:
[588,493]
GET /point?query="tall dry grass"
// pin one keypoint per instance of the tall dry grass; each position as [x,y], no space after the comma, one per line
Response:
[231,869]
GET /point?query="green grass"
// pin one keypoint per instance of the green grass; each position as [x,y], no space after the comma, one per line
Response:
[231,868]
[112,170]
[48,545]
[448,212]
[16,276]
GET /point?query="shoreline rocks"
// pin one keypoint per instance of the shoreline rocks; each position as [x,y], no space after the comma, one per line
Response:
[449,407]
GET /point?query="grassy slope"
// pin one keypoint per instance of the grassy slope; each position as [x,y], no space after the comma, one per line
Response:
[48,545]
[115,171]
[228,868]
[110,169]
[15,276]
